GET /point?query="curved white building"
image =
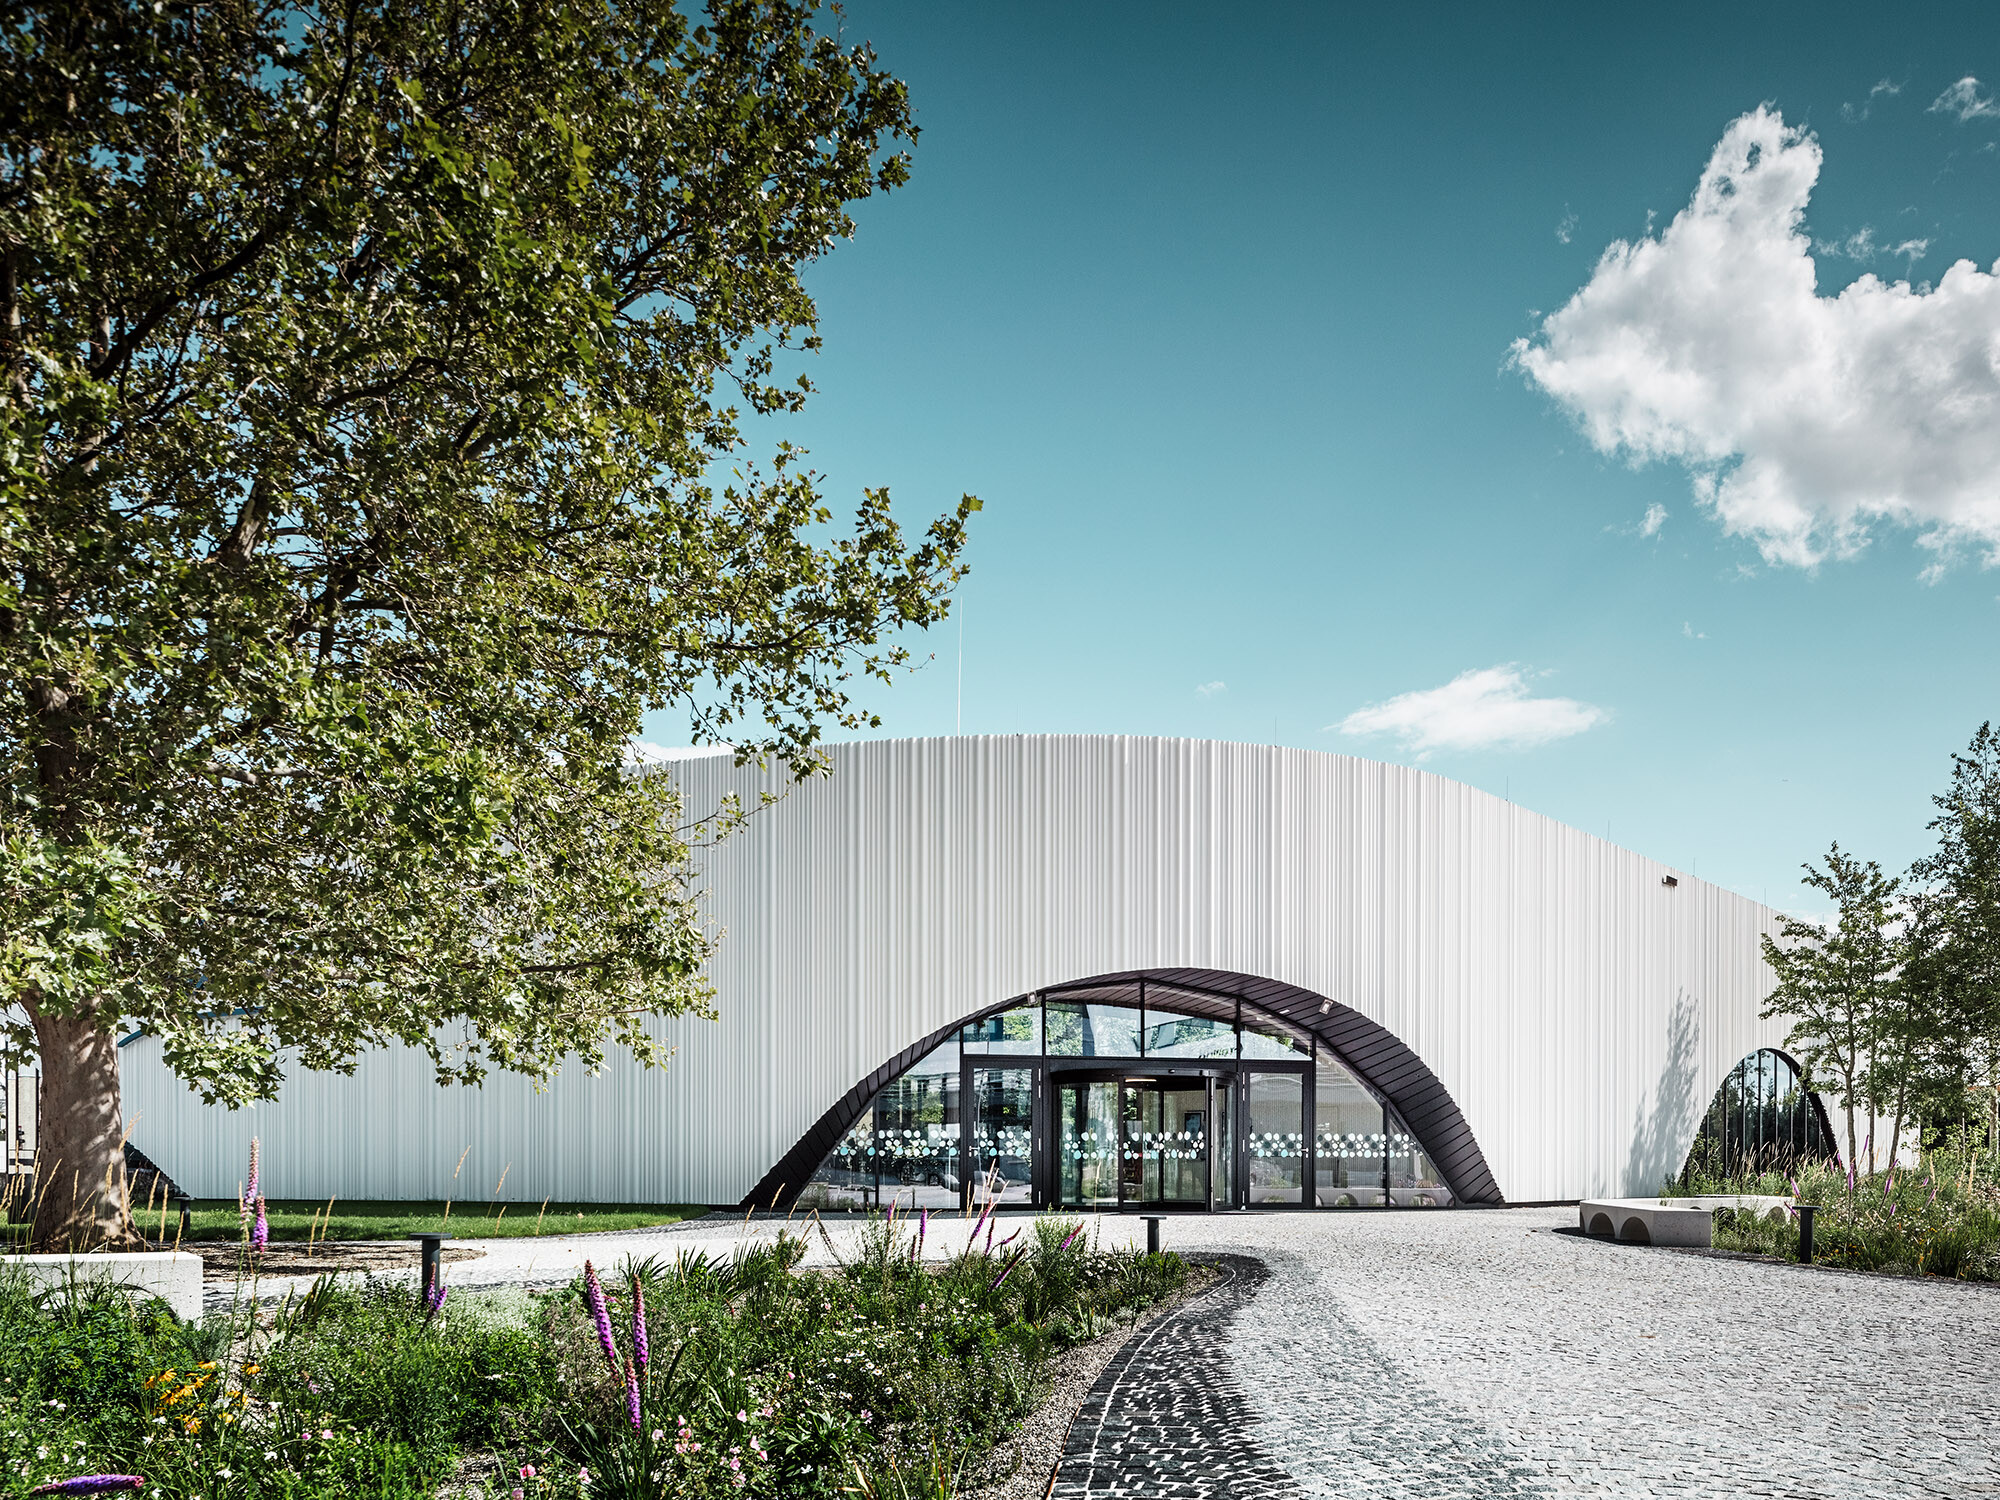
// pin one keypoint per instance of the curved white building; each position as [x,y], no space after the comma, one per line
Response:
[1101,971]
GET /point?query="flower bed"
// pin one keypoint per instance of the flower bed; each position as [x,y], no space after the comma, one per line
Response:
[742,1376]
[1940,1219]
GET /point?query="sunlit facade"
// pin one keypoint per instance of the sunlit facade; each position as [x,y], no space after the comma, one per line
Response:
[1098,972]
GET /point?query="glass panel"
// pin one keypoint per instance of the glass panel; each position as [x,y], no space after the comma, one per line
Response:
[1172,1035]
[1003,1135]
[846,1179]
[1268,1039]
[1277,1142]
[1079,1029]
[1016,1030]
[1086,1142]
[1182,1146]
[1413,1181]
[1347,1138]
[1225,1143]
[1138,1161]
[916,1134]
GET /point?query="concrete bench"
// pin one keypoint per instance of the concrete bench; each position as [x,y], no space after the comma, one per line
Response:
[172,1276]
[1670,1221]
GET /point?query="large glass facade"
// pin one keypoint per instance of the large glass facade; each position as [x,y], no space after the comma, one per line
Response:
[1114,1096]
[1762,1119]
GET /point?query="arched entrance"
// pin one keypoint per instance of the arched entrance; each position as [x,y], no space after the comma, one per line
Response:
[1154,1089]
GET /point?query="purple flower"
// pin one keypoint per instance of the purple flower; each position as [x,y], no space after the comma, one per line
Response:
[260,1232]
[92,1484]
[640,1350]
[632,1395]
[1889,1182]
[1076,1233]
[892,1209]
[593,1298]
[923,1228]
[1793,1184]
[1008,1269]
[249,1185]
[434,1298]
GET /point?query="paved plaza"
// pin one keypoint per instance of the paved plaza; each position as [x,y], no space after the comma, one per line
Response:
[1482,1354]
[1461,1356]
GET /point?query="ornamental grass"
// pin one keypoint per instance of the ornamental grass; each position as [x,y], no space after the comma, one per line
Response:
[1940,1218]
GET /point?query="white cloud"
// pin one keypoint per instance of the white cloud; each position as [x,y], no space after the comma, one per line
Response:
[1566,230]
[1484,709]
[1963,99]
[1654,518]
[1688,630]
[1803,419]
[1854,115]
[1862,245]
[1210,689]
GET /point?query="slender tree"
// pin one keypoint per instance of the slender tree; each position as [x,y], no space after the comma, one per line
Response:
[1833,978]
[367,372]
[1963,971]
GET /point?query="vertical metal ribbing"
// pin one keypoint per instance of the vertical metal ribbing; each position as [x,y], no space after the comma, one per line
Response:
[1581,1013]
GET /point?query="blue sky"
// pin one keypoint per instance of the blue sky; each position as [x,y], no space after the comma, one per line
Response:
[1220,319]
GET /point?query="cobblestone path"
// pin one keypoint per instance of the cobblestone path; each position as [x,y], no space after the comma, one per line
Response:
[1165,1417]
[1472,1355]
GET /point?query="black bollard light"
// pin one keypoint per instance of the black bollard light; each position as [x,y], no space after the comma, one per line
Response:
[1805,1212]
[433,1256]
[1152,1234]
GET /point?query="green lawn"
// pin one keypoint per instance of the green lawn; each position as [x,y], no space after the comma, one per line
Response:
[294,1219]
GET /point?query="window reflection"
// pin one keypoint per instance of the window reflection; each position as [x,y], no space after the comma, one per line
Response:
[1086,1139]
[1172,1035]
[1081,1029]
[1276,1143]
[1263,1040]
[1348,1139]
[1003,1135]
[917,1134]
[1016,1030]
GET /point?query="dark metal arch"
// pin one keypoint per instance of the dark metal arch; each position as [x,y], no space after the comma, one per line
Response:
[1371,1051]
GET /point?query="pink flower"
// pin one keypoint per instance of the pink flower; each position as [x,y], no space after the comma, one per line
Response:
[260,1232]
[743,1416]
[326,1434]
[519,1494]
[527,1471]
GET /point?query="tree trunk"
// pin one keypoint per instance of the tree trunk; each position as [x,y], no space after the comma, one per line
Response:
[1851,1162]
[79,1138]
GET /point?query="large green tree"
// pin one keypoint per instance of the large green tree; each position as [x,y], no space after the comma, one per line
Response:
[365,370]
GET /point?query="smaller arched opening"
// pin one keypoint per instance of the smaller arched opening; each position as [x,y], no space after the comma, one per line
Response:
[1763,1119]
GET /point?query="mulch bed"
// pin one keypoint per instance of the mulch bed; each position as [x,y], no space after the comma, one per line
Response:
[220,1260]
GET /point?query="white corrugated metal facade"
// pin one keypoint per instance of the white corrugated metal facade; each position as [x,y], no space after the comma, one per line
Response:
[1581,1012]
